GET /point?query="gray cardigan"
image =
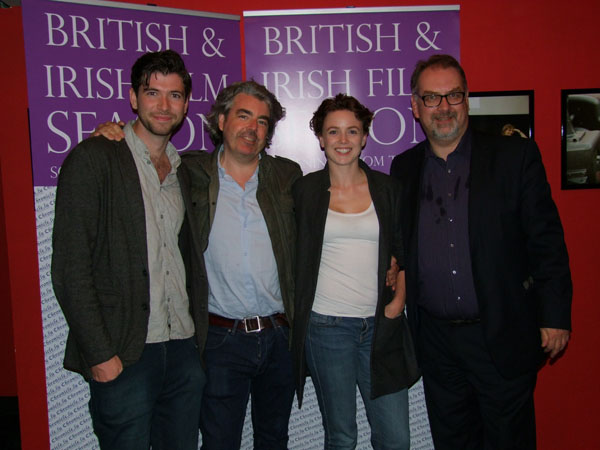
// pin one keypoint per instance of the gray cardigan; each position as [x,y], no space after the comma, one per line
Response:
[100,263]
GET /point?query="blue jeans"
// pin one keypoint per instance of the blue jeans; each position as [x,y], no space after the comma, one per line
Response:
[338,354]
[155,401]
[240,365]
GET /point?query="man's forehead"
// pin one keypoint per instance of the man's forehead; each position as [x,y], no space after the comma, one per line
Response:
[243,101]
[433,78]
[157,77]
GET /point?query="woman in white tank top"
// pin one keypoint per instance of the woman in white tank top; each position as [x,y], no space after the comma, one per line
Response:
[349,327]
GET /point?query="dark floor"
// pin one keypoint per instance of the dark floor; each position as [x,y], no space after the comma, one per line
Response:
[10,438]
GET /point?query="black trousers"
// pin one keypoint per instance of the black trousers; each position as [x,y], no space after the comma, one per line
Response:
[470,405]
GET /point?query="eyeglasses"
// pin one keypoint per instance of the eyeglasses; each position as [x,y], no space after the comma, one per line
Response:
[434,100]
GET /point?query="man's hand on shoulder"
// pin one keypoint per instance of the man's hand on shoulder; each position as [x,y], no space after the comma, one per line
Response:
[554,340]
[108,370]
[110,130]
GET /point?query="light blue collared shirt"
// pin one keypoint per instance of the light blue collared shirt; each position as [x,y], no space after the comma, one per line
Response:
[240,264]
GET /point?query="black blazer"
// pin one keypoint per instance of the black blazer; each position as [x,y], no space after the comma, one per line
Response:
[393,364]
[519,258]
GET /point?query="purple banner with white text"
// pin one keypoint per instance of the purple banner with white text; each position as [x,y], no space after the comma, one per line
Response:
[304,56]
[79,58]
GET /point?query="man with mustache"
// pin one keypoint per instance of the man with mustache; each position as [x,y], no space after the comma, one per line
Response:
[244,199]
[136,332]
[487,272]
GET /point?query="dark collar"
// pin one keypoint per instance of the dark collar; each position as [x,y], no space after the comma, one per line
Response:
[463,148]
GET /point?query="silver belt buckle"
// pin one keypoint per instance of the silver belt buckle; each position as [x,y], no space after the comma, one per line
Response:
[248,324]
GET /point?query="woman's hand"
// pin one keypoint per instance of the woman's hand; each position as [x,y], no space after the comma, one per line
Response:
[396,307]
[392,273]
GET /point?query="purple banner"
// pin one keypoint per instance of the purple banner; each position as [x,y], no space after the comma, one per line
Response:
[79,58]
[304,56]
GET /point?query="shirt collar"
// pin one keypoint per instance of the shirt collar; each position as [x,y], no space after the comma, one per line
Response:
[463,148]
[140,149]
[221,169]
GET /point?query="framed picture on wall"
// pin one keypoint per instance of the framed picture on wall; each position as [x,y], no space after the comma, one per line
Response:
[580,155]
[502,112]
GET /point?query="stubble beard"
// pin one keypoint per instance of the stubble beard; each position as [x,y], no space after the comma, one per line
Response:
[158,131]
[451,133]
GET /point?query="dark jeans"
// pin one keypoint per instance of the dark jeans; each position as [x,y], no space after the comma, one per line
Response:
[240,365]
[155,401]
[470,405]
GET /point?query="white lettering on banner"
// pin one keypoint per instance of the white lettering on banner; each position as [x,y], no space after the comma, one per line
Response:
[348,38]
[59,122]
[80,31]
[64,80]
[394,81]
[190,125]
[373,160]
[106,83]
[58,132]
[395,122]
[313,84]
[209,88]
[423,42]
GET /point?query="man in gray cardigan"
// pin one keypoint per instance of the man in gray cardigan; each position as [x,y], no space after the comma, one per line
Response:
[136,329]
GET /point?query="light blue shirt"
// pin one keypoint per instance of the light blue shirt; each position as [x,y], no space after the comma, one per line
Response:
[240,264]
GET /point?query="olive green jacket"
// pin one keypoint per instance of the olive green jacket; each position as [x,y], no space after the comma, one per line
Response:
[276,175]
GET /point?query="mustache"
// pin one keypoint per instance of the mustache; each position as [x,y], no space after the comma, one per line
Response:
[248,134]
[444,115]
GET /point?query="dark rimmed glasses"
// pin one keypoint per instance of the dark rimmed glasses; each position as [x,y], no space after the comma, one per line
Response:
[435,100]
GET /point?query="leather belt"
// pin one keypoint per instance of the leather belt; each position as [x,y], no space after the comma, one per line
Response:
[252,324]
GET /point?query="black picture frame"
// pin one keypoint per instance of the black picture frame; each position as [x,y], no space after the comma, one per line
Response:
[580,133]
[502,112]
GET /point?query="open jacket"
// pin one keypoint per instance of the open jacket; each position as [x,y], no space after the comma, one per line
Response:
[518,254]
[393,366]
[276,176]
[100,262]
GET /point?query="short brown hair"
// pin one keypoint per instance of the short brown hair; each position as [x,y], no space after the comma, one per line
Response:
[441,61]
[340,102]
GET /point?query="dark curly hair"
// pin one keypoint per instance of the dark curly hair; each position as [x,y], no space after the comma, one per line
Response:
[340,102]
[224,102]
[165,62]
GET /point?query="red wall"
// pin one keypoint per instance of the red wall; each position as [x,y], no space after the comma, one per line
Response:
[531,44]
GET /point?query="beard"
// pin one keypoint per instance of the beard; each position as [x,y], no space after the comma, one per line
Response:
[160,129]
[447,133]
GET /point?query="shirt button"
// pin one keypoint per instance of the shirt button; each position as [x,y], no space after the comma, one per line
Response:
[454,272]
[167,272]
[458,298]
[449,194]
[450,220]
[451,245]
[449,170]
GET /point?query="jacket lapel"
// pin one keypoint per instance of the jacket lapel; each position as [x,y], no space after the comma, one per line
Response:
[134,201]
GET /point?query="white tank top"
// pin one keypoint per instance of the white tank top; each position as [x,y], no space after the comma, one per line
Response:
[347,283]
